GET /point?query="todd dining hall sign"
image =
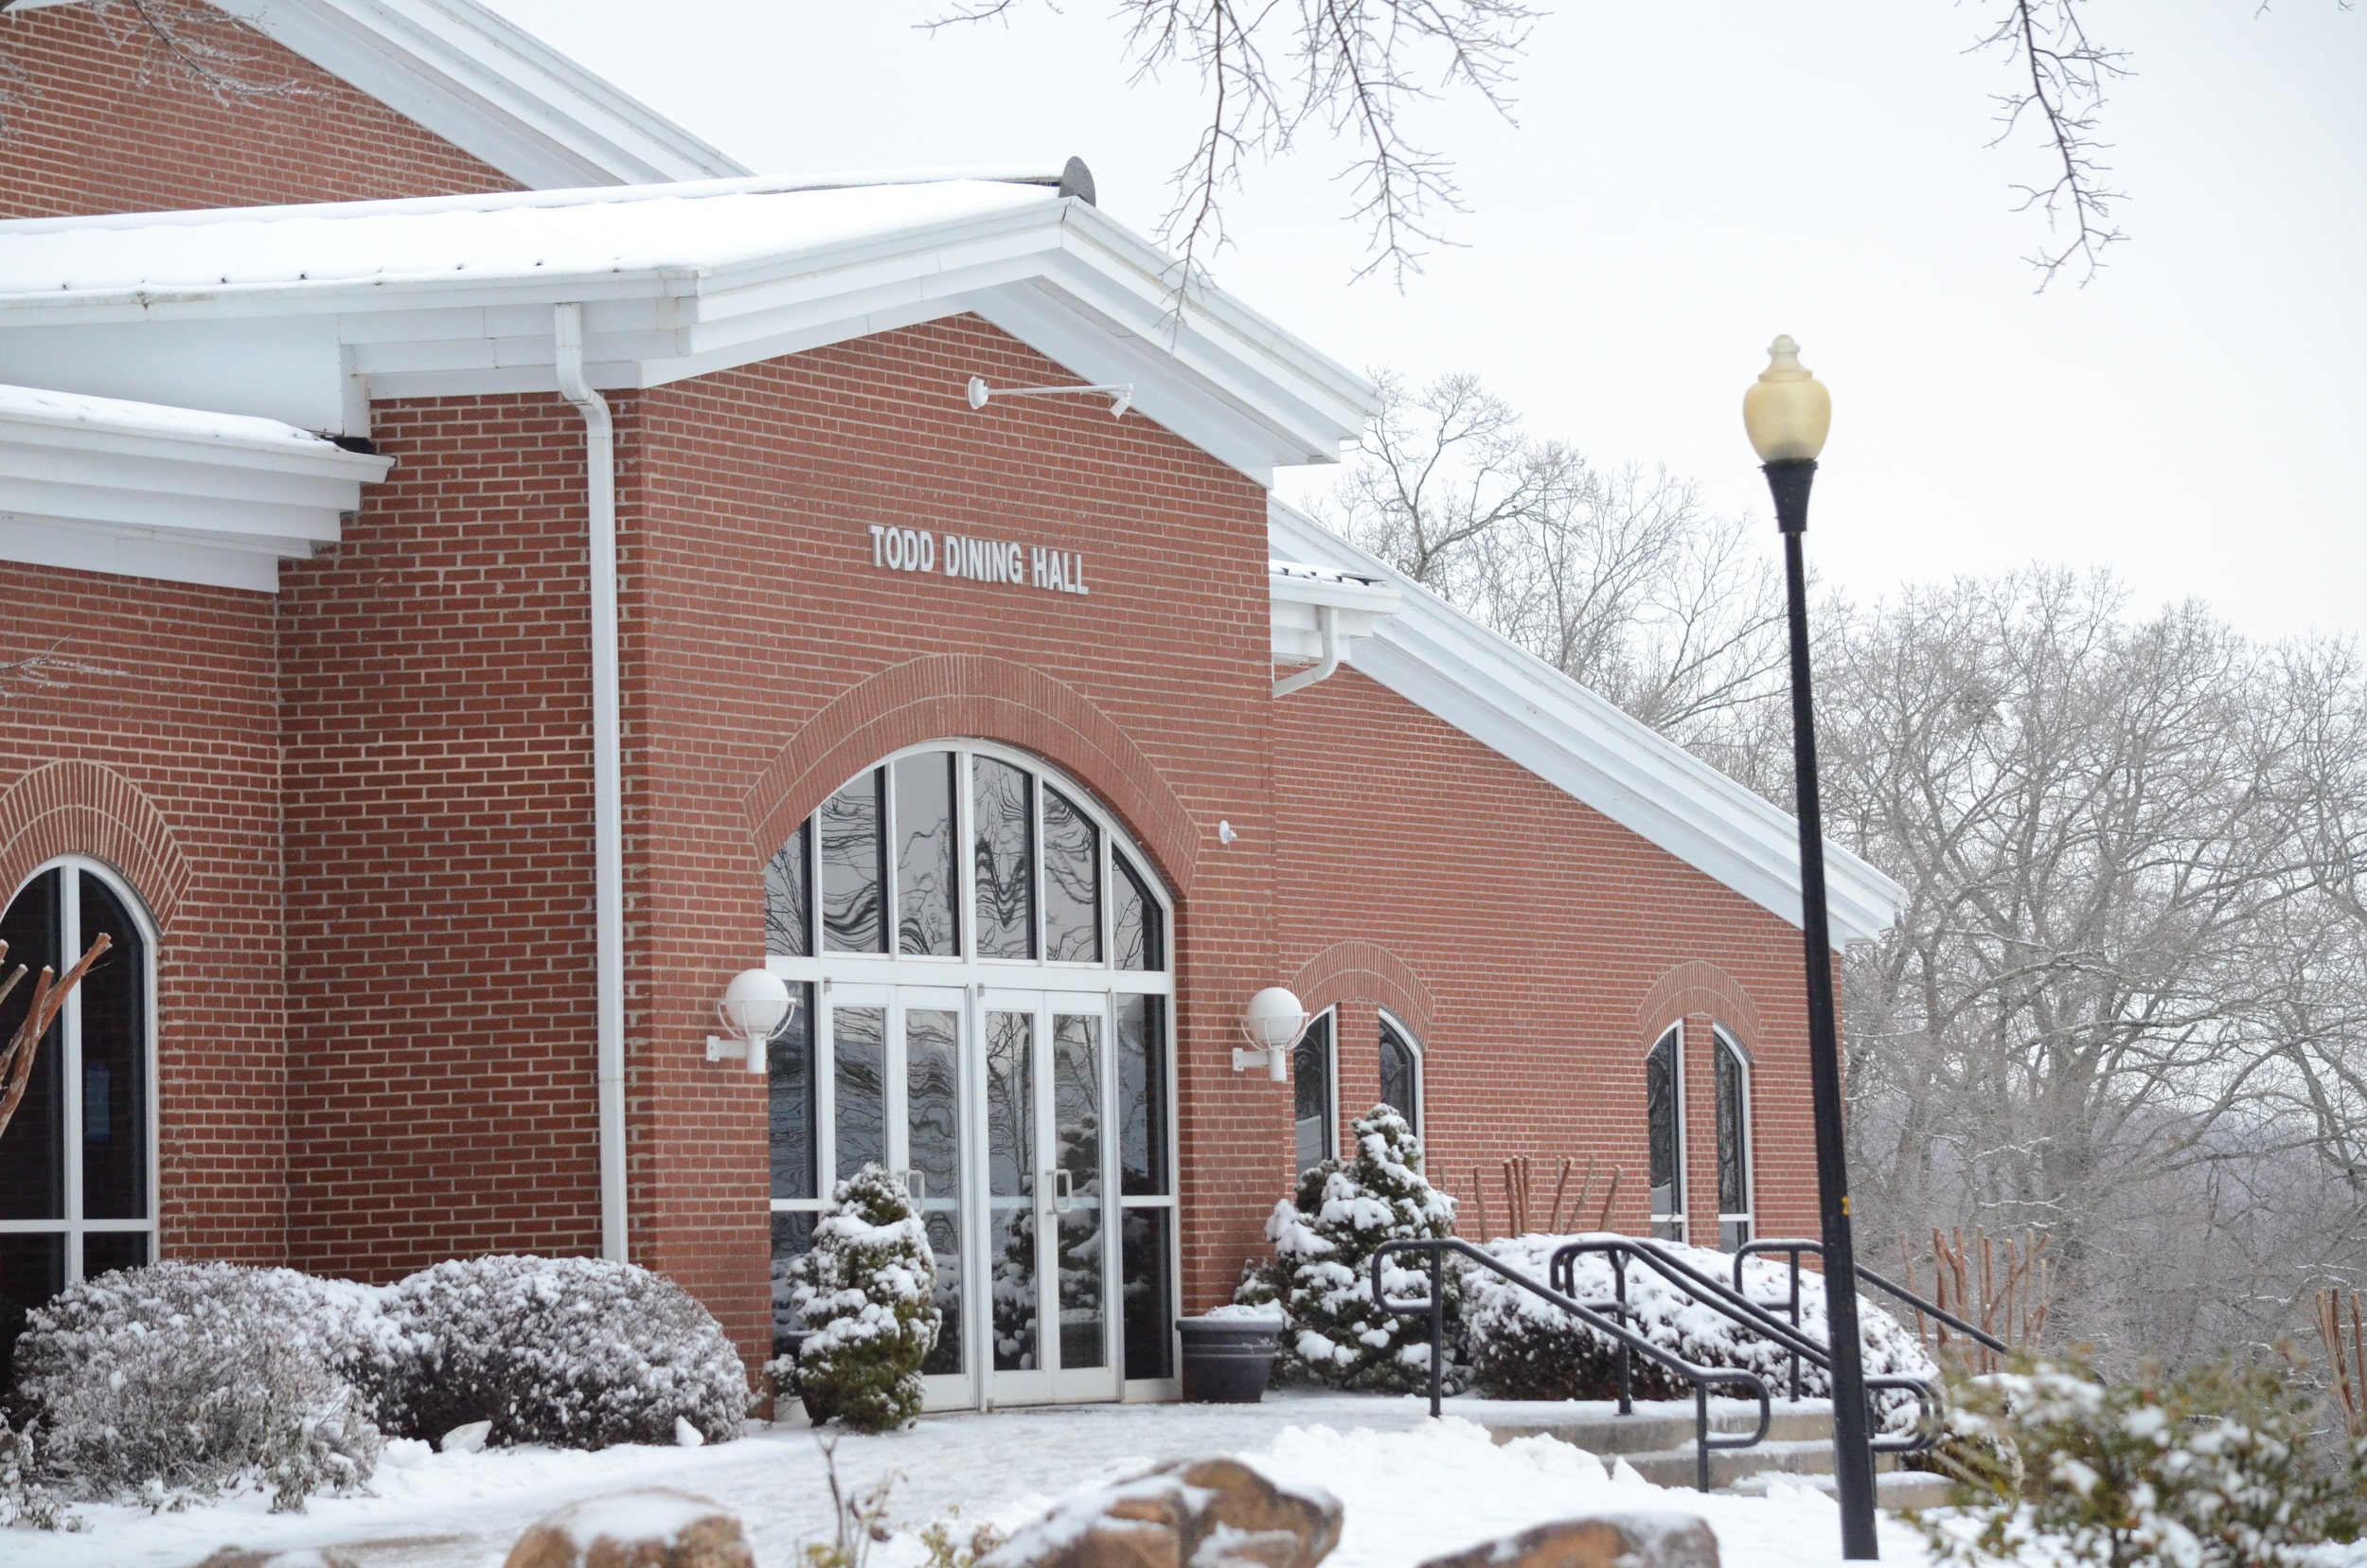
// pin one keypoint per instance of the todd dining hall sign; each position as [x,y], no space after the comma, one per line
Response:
[896,549]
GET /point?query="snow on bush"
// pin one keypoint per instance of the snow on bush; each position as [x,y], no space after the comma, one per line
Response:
[868,1289]
[182,1380]
[26,1497]
[574,1352]
[2212,1467]
[1321,1275]
[1523,1348]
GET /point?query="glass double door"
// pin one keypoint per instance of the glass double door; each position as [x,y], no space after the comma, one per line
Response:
[989,1106]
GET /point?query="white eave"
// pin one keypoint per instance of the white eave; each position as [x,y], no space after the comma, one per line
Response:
[140,489]
[305,313]
[1515,703]
[1301,593]
[489,88]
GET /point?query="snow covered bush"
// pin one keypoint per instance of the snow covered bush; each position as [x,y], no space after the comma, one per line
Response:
[1321,1277]
[867,1290]
[574,1352]
[185,1379]
[2212,1468]
[1523,1347]
[26,1497]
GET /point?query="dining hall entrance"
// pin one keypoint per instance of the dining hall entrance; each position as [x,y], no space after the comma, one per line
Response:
[982,966]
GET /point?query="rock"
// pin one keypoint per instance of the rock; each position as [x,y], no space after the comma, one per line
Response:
[238,1556]
[656,1527]
[1606,1541]
[1193,1513]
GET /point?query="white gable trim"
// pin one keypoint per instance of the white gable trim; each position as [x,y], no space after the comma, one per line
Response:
[1515,703]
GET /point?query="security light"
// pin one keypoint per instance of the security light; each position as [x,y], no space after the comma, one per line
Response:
[755,1006]
[1273,1024]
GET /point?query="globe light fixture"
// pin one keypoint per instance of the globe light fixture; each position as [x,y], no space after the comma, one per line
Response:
[755,1006]
[1273,1025]
[1788,414]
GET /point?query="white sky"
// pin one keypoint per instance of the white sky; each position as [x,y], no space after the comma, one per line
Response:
[1687,179]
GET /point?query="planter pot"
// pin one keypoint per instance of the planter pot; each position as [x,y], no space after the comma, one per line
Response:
[1226,1360]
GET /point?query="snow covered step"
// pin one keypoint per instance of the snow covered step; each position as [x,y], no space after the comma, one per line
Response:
[1891,1488]
[1674,1467]
[1650,1431]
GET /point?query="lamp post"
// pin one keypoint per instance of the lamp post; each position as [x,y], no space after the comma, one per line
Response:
[1788,413]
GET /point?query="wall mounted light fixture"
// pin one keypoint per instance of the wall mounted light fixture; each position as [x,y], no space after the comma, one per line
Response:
[755,1006]
[1273,1024]
[1121,394]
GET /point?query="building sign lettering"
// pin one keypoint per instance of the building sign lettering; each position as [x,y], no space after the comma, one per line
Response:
[895,549]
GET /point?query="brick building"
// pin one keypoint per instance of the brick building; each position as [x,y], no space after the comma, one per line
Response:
[491,569]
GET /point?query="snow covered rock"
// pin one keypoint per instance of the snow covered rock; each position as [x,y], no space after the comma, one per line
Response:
[1321,1275]
[1191,1513]
[574,1352]
[1523,1347]
[1608,1541]
[190,1379]
[868,1290]
[657,1528]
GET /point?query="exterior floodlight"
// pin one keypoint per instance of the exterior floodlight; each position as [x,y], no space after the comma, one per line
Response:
[755,1006]
[1121,394]
[1273,1024]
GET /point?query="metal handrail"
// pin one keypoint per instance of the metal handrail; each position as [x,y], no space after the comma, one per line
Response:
[1702,1377]
[1795,1247]
[1732,1303]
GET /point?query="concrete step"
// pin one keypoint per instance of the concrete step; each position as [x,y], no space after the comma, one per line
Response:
[1650,1430]
[1678,1466]
[1891,1488]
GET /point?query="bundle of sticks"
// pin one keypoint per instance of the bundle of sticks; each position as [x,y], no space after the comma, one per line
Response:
[2006,1290]
[1520,1178]
[2345,1338]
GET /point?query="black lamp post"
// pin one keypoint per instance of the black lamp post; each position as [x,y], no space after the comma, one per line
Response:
[1787,412]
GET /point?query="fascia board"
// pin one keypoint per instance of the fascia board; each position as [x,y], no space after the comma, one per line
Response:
[125,507]
[1375,599]
[489,88]
[177,477]
[137,553]
[260,468]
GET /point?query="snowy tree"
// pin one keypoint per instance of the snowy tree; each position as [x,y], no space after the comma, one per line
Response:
[868,1289]
[1320,1274]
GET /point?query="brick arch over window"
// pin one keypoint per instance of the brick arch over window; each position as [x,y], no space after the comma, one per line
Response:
[978,697]
[84,809]
[1365,971]
[1691,989]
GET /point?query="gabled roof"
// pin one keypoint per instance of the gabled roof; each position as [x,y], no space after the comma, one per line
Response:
[1513,702]
[452,295]
[102,485]
[489,88]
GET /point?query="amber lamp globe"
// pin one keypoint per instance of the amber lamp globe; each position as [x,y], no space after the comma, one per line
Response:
[1787,411]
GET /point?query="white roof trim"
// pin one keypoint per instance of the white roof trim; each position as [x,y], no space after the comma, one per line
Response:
[139,490]
[489,88]
[1515,703]
[451,296]
[1299,591]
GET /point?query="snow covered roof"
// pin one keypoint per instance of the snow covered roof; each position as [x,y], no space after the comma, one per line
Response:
[304,313]
[102,485]
[1513,702]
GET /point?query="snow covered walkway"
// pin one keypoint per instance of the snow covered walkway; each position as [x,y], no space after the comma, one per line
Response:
[1412,1489]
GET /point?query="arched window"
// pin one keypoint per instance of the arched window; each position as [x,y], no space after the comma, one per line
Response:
[1313,1062]
[77,1168]
[1663,1101]
[1734,1143]
[985,982]
[1402,1072]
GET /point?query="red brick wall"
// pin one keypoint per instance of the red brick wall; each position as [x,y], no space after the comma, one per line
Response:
[436,697]
[1543,937]
[161,758]
[102,118]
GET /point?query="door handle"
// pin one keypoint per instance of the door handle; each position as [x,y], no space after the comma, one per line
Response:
[1063,1198]
[916,1183]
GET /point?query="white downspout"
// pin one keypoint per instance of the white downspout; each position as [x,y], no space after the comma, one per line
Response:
[608,825]
[1327,621]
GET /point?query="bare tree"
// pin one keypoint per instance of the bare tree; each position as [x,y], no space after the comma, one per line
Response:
[192,40]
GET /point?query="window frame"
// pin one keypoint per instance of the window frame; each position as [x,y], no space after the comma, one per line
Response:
[1727,1046]
[71,1224]
[1328,1017]
[1390,1023]
[1667,1226]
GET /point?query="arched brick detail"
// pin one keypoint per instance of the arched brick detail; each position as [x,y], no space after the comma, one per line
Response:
[1692,988]
[1365,971]
[974,695]
[84,809]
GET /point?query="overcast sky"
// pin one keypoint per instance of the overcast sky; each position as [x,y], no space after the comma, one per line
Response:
[1688,179]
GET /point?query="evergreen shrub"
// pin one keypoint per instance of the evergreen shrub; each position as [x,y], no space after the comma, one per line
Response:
[866,1291]
[1320,1274]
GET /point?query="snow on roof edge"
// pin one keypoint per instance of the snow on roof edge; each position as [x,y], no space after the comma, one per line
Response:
[36,405]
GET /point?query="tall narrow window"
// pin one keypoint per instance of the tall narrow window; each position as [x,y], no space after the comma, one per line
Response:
[1310,1077]
[925,902]
[1663,1100]
[854,882]
[788,896]
[1136,928]
[1733,1143]
[1071,882]
[1400,1073]
[76,1161]
[1003,817]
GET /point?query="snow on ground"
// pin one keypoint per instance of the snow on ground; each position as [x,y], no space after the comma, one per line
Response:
[1413,1488]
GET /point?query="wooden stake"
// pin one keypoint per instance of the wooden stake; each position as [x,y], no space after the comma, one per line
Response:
[1479,1202]
[1553,1221]
[1610,1196]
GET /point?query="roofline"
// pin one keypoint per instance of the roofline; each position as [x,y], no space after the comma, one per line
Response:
[1520,706]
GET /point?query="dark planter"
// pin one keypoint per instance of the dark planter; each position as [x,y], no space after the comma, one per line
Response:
[1226,1360]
